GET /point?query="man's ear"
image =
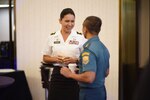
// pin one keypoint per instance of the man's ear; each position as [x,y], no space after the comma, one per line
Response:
[85,30]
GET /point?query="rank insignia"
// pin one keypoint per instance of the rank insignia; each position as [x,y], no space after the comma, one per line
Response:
[53,33]
[79,33]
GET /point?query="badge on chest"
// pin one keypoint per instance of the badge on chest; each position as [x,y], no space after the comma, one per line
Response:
[56,42]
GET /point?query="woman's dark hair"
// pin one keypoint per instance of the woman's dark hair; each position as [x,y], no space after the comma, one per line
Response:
[65,12]
[93,24]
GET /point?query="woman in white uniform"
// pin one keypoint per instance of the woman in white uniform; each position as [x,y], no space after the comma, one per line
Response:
[63,49]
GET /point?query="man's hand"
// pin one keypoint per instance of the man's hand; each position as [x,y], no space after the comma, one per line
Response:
[66,72]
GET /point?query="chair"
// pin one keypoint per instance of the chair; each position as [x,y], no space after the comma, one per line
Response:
[46,70]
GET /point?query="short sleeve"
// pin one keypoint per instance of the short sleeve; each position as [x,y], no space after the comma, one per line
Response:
[47,50]
[88,61]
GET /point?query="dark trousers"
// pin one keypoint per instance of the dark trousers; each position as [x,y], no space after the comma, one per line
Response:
[92,93]
[62,88]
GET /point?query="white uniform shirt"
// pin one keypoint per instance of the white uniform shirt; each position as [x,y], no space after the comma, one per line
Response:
[72,47]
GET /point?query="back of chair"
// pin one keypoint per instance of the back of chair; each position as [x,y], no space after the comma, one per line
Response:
[45,74]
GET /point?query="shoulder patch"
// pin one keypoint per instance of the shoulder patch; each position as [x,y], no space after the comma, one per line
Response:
[79,33]
[85,57]
[52,33]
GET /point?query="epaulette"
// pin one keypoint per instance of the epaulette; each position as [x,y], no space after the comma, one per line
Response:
[87,45]
[79,33]
[52,33]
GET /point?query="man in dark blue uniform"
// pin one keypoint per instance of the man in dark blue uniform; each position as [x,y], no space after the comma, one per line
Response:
[93,63]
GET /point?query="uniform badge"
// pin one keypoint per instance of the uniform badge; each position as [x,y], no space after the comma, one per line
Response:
[85,57]
[57,41]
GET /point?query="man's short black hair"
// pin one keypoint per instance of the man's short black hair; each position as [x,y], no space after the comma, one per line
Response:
[93,24]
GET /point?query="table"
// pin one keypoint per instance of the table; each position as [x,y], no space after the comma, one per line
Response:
[19,90]
[6,81]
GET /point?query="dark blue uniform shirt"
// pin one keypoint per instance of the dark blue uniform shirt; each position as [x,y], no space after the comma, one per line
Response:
[94,57]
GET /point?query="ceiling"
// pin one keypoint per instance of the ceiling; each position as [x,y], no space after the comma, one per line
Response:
[2,2]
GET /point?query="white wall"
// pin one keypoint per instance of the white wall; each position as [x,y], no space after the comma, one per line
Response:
[35,19]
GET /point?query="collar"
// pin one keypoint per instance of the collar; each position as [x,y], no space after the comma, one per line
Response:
[95,38]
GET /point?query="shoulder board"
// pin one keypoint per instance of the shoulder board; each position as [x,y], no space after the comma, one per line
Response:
[52,33]
[79,33]
[87,45]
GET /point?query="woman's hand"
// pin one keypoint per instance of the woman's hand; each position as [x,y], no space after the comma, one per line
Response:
[68,60]
[55,59]
[59,59]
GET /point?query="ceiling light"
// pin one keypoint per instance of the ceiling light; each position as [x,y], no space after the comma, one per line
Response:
[5,6]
